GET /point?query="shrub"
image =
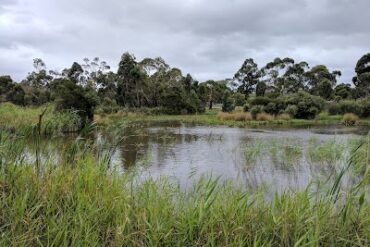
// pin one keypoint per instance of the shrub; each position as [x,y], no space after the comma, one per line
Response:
[227,103]
[350,119]
[350,106]
[334,109]
[322,116]
[291,110]
[239,99]
[259,101]
[255,110]
[246,107]
[275,107]
[263,116]
[365,105]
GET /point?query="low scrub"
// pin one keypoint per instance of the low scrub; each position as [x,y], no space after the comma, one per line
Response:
[350,119]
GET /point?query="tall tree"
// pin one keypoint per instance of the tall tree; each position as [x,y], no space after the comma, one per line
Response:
[362,78]
[130,90]
[321,81]
[247,77]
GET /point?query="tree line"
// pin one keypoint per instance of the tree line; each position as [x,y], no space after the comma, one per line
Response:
[282,85]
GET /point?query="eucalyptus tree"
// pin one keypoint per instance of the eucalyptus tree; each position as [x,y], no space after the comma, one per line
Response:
[321,81]
[362,78]
[247,77]
[282,76]
[130,82]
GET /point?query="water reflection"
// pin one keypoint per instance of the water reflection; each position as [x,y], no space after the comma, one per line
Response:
[279,158]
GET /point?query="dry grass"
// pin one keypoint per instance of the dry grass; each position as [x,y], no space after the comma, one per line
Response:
[284,116]
[264,117]
[237,116]
[350,119]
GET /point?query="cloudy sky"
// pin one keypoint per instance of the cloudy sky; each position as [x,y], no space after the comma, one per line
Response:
[207,38]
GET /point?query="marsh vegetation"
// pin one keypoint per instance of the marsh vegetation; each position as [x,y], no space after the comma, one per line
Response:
[143,157]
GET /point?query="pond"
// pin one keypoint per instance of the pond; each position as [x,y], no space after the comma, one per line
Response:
[276,158]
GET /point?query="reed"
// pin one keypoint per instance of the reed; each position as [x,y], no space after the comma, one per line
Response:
[79,200]
[263,116]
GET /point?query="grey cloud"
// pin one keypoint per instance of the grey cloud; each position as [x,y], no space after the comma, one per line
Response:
[207,38]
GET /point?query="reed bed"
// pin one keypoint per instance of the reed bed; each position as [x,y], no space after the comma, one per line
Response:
[20,119]
[78,200]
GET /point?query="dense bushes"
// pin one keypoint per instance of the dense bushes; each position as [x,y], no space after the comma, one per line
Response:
[300,105]
[359,107]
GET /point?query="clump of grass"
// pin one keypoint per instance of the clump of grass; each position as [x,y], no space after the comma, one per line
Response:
[254,150]
[224,116]
[237,116]
[350,119]
[284,116]
[329,151]
[263,116]
[18,119]
[242,116]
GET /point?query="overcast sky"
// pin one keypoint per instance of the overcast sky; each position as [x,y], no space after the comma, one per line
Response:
[206,38]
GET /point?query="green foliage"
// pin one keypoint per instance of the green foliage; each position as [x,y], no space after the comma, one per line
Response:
[291,110]
[239,99]
[71,96]
[246,107]
[247,76]
[77,201]
[261,89]
[343,91]
[255,110]
[227,103]
[308,106]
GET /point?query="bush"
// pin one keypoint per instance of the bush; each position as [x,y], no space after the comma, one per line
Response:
[275,107]
[246,107]
[263,116]
[227,103]
[255,110]
[259,101]
[291,110]
[350,106]
[308,106]
[350,119]
[334,109]
[239,99]
[365,105]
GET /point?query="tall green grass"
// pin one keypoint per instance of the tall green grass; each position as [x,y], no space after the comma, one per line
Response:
[23,119]
[78,200]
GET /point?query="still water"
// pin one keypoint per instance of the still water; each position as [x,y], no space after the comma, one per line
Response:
[277,158]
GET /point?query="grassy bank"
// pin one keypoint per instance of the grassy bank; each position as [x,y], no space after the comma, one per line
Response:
[211,118]
[14,117]
[76,200]
[80,205]
[20,118]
